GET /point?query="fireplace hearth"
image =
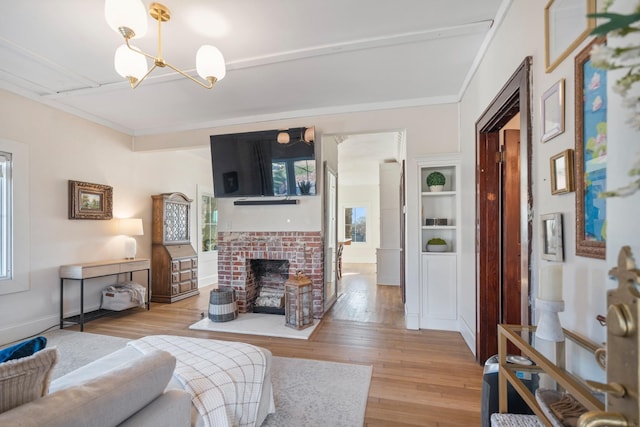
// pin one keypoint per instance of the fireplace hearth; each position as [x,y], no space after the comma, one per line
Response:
[303,251]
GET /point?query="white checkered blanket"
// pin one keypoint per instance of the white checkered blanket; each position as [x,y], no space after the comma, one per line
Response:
[224,378]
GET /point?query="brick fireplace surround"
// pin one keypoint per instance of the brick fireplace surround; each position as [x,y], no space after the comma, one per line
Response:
[303,250]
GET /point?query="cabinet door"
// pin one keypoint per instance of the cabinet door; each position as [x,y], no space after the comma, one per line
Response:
[439,284]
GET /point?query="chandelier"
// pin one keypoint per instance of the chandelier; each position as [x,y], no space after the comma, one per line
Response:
[129,18]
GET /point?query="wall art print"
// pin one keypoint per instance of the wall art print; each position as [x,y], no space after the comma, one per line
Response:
[591,155]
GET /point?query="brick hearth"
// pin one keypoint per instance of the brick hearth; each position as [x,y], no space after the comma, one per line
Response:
[303,250]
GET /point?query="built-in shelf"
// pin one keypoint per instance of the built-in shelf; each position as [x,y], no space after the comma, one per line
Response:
[265,202]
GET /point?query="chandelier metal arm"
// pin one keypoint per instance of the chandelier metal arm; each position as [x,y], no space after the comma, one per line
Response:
[159,62]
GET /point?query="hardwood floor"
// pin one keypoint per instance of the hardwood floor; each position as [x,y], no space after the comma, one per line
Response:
[420,378]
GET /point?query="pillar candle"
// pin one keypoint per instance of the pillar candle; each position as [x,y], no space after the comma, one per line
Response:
[550,286]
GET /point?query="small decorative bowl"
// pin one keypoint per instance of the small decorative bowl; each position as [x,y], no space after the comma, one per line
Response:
[436,248]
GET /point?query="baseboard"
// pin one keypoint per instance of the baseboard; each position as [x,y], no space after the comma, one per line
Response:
[207,280]
[412,321]
[28,329]
[440,324]
[468,335]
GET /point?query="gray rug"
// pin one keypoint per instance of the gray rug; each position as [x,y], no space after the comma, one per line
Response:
[307,393]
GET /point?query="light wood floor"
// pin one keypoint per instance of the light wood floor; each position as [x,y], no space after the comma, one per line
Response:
[420,378]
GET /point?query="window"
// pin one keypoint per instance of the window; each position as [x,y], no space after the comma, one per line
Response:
[293,174]
[209,223]
[5,215]
[355,224]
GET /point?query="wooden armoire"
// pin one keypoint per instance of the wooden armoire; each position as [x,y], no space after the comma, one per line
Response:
[174,262]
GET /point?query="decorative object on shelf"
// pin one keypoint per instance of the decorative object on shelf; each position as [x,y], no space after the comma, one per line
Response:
[130,227]
[572,16]
[550,303]
[90,201]
[552,109]
[590,155]
[562,172]
[128,18]
[552,247]
[436,221]
[298,304]
[436,245]
[435,181]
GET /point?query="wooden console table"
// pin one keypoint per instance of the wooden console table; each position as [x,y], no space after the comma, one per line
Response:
[523,337]
[82,272]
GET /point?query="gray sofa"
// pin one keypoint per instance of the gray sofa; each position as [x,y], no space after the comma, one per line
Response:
[125,388]
[110,393]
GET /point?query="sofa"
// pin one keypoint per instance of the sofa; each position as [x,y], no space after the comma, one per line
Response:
[128,387]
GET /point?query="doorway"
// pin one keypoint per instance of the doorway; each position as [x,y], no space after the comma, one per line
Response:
[503,201]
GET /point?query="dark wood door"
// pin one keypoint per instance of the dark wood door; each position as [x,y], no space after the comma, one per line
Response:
[510,288]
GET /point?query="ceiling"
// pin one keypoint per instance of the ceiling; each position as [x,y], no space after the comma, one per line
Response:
[285,58]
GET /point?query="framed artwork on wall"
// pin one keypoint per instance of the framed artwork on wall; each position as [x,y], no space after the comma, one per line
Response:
[551,230]
[562,172]
[552,111]
[90,201]
[590,155]
[566,25]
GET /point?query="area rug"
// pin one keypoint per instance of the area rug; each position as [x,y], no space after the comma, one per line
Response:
[270,325]
[307,392]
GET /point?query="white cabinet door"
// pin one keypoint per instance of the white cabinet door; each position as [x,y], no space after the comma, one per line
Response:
[439,284]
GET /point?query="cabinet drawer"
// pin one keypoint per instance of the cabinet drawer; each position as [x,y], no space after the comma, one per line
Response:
[175,277]
[185,264]
[185,275]
[134,266]
[194,273]
[194,284]
[194,262]
[175,265]
[175,290]
[185,287]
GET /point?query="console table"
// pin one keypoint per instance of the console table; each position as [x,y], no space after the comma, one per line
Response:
[82,272]
[558,372]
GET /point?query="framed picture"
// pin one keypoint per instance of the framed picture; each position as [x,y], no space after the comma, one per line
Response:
[552,111]
[562,172]
[551,226]
[90,201]
[566,25]
[590,155]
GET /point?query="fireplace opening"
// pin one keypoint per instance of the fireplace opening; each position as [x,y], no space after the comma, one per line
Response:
[269,277]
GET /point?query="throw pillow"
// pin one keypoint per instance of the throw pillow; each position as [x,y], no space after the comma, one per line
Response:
[26,379]
[23,349]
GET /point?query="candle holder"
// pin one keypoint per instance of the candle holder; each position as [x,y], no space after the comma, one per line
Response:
[549,327]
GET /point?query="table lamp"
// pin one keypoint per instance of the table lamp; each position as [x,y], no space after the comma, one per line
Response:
[130,227]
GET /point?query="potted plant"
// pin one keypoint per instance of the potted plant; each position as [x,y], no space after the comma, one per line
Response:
[436,245]
[435,181]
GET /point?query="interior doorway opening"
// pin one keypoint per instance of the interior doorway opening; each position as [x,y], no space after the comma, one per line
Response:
[503,202]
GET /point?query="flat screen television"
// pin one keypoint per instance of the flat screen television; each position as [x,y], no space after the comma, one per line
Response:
[264,163]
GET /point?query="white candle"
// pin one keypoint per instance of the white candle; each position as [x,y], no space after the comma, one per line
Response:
[550,285]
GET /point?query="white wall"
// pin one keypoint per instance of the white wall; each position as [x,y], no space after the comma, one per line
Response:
[428,130]
[63,147]
[585,279]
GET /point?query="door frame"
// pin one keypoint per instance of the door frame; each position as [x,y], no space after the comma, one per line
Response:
[514,97]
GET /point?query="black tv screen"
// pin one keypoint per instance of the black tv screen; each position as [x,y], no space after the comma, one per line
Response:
[264,163]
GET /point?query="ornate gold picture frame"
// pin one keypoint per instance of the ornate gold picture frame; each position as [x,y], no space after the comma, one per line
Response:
[90,201]
[562,180]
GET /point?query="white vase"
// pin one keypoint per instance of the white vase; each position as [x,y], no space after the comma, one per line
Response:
[435,188]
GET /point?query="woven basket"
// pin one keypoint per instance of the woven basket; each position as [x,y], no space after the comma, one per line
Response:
[222,305]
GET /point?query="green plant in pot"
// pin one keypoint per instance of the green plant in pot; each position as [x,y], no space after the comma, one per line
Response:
[435,181]
[436,245]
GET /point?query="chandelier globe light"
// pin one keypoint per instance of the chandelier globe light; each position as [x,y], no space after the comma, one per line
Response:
[129,19]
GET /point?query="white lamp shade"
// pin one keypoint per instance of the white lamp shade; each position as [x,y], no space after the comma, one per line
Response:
[210,62]
[126,13]
[129,63]
[130,227]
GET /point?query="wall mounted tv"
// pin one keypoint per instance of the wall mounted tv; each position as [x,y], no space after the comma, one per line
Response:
[264,163]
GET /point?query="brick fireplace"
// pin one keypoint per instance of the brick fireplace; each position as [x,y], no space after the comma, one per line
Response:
[303,250]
